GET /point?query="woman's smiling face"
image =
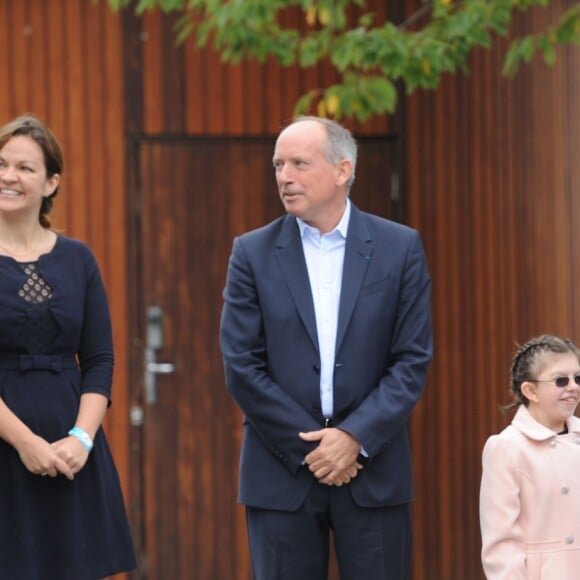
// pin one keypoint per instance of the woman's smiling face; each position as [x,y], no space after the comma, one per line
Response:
[23,177]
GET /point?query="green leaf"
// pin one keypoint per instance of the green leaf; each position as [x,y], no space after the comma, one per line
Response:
[512,59]
[528,48]
[309,52]
[304,103]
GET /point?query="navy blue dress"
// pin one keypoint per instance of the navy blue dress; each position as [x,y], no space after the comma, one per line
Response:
[53,313]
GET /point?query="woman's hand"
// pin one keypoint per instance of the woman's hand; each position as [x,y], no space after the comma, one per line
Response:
[40,457]
[72,452]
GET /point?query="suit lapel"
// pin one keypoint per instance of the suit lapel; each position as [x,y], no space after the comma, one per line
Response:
[357,257]
[290,255]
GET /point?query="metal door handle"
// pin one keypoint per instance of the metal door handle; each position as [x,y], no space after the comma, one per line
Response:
[152,369]
[160,368]
[155,341]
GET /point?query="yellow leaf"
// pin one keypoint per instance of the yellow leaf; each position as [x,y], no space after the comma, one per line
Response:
[426,67]
[311,16]
[445,2]
[324,16]
[332,104]
[321,108]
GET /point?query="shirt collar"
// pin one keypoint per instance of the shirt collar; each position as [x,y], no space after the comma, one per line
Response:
[341,227]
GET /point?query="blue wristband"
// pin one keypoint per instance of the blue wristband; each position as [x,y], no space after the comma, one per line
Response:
[82,436]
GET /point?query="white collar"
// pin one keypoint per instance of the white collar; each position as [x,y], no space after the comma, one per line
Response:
[341,227]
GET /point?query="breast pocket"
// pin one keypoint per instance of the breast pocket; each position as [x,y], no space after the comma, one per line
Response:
[383,285]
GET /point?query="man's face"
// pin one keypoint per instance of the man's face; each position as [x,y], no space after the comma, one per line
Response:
[310,187]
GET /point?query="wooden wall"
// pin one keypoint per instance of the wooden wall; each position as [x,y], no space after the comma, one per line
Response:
[494,187]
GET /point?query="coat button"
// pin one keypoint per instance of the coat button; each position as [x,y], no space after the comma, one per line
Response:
[565,489]
[569,539]
[552,443]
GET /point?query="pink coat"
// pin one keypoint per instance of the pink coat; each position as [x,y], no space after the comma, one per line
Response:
[530,502]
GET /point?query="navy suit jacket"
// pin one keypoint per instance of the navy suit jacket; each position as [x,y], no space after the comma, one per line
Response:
[271,357]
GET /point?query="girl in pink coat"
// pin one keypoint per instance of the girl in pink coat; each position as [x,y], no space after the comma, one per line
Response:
[530,487]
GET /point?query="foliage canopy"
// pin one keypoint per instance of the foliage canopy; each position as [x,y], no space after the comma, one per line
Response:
[370,57]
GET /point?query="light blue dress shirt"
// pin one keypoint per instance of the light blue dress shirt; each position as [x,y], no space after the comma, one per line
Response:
[324,260]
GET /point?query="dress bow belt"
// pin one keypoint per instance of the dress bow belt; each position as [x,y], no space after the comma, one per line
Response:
[29,362]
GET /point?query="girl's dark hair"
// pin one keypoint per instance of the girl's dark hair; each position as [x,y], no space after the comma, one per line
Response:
[30,126]
[526,363]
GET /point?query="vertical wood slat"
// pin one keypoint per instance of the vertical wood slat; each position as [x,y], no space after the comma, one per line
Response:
[75,63]
[55,94]
[152,70]
[5,63]
[172,80]
[254,97]
[18,25]
[235,89]
[214,93]
[193,89]
[92,28]
[276,83]
[38,31]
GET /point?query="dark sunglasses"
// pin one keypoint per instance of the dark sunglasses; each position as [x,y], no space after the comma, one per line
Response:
[559,381]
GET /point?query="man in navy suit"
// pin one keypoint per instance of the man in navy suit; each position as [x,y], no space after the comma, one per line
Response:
[326,340]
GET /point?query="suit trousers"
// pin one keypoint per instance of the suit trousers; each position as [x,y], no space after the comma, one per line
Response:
[370,543]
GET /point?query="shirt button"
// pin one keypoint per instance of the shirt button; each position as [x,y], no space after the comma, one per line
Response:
[552,443]
[565,489]
[569,539]
[577,440]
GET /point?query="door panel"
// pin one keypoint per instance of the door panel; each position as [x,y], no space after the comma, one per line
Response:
[194,195]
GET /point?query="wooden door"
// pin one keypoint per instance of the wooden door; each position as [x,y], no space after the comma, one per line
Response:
[191,197]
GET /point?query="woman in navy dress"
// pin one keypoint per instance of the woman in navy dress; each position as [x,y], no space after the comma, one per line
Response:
[62,514]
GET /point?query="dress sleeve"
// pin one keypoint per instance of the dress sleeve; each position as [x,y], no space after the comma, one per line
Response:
[503,547]
[96,346]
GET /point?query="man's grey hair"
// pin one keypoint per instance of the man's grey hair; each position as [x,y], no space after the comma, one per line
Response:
[340,145]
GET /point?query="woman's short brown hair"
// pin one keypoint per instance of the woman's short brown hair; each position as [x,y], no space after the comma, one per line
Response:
[30,126]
